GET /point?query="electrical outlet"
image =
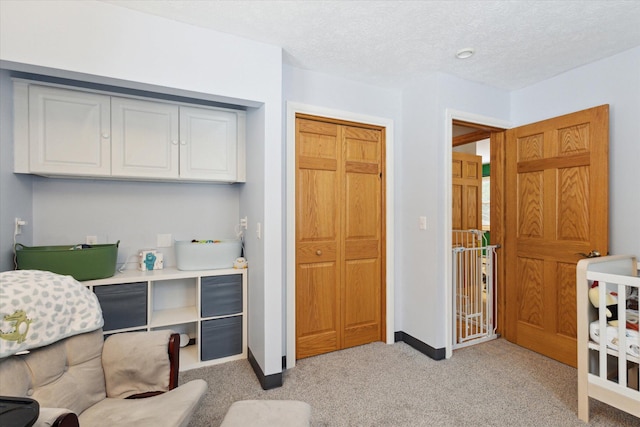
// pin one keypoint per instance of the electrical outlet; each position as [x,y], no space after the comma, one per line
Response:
[19,223]
[91,240]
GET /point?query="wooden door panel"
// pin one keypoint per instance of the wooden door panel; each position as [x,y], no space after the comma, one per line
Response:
[530,205]
[573,204]
[556,175]
[317,309]
[471,204]
[317,205]
[338,236]
[566,317]
[312,252]
[530,281]
[456,211]
[362,302]
[362,234]
[467,191]
[362,249]
[363,206]
[362,146]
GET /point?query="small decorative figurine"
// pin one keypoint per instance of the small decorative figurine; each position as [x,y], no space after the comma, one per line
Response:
[240,263]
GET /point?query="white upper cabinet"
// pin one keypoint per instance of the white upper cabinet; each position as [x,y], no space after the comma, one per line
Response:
[208,148]
[69,132]
[145,139]
[66,132]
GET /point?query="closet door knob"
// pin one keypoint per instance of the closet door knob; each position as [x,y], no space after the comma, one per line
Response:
[318,252]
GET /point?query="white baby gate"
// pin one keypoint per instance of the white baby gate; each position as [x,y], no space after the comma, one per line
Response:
[474,288]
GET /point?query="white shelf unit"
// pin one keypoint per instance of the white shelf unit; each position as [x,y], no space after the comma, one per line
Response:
[174,299]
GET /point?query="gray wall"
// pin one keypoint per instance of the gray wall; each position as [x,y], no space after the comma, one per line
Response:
[15,190]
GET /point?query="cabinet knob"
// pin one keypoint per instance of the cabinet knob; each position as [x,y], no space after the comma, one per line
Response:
[105,135]
[174,142]
[318,252]
[183,142]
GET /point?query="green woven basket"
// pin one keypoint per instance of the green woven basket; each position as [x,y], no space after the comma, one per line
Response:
[95,262]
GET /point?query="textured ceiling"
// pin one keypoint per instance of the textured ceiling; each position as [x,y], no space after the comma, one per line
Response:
[390,43]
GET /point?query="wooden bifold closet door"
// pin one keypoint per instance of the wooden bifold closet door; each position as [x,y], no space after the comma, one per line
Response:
[339,235]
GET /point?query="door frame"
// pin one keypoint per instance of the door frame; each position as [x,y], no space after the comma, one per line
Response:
[450,116]
[294,108]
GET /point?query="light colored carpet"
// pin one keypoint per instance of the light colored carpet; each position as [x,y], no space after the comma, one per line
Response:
[492,384]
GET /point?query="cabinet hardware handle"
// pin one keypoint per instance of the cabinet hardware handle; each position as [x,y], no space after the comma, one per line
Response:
[318,252]
[183,142]
[174,142]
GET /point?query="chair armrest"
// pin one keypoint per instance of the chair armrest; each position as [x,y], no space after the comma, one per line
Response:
[140,363]
[56,417]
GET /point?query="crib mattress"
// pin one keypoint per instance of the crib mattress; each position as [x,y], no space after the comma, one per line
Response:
[632,338]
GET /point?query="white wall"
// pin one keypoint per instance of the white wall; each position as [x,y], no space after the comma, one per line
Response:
[67,210]
[102,43]
[425,191]
[614,81]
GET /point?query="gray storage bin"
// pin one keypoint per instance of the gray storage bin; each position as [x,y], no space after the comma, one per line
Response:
[221,337]
[221,295]
[123,306]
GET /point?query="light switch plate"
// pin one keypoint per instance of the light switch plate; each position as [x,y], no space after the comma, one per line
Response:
[164,240]
[422,223]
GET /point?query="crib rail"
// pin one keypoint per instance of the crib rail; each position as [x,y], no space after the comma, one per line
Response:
[622,285]
[607,370]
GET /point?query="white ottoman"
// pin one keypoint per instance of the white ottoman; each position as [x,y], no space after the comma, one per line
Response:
[265,413]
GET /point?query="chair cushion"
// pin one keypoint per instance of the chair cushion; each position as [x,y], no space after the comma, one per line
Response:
[173,408]
[66,374]
[268,413]
[136,362]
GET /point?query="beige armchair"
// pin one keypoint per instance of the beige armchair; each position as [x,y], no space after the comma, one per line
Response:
[56,354]
[102,383]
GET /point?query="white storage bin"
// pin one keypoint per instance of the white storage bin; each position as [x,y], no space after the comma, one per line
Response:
[206,256]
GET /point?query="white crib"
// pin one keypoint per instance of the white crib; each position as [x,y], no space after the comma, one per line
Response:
[608,370]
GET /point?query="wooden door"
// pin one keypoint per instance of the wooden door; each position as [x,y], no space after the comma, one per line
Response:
[556,186]
[339,236]
[467,191]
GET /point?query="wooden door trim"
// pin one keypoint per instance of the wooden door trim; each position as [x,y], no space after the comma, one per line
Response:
[388,265]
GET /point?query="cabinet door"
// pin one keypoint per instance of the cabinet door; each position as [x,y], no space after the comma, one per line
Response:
[208,144]
[69,132]
[145,139]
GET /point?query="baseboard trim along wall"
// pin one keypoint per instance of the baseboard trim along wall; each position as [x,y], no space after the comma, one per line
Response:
[424,348]
[266,381]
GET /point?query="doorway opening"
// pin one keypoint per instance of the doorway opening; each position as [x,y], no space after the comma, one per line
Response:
[474,269]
